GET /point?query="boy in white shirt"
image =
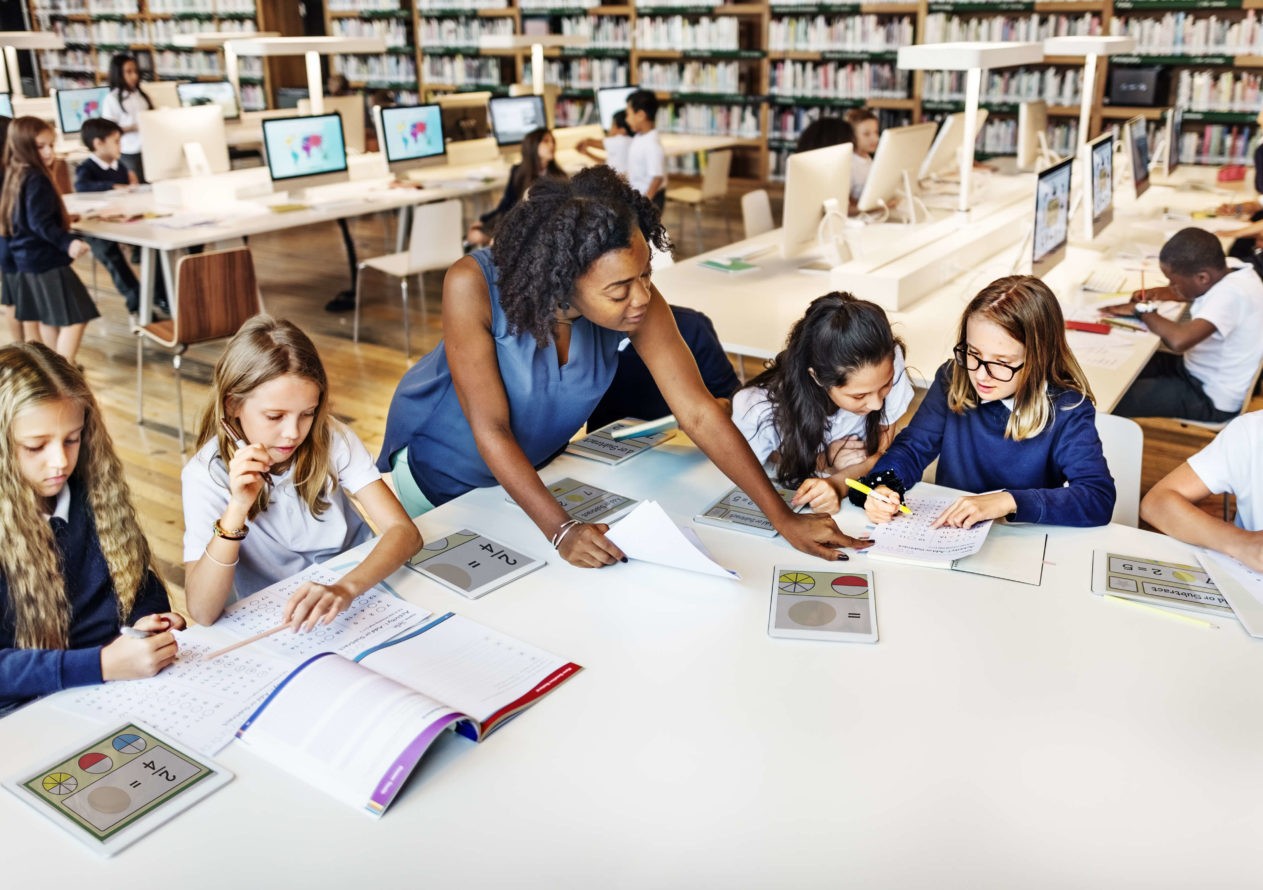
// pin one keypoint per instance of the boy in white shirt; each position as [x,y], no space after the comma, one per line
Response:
[646,162]
[1214,355]
[616,145]
[1233,463]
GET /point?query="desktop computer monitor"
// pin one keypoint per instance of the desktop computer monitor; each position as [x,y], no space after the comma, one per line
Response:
[899,151]
[217,92]
[305,151]
[464,115]
[1098,163]
[411,136]
[76,106]
[610,101]
[810,178]
[1052,217]
[950,141]
[1136,138]
[1032,124]
[6,105]
[164,133]
[512,117]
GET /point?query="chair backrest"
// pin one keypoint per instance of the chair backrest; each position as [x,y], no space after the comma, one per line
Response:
[715,176]
[216,292]
[756,212]
[435,242]
[1123,442]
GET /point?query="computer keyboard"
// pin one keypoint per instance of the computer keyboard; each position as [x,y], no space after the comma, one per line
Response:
[1105,280]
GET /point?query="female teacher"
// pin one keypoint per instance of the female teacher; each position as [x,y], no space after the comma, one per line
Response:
[531,329]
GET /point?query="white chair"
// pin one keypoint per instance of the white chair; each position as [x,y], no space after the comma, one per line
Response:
[756,212]
[1123,442]
[714,188]
[435,243]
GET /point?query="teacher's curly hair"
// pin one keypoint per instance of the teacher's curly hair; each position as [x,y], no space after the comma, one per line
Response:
[548,241]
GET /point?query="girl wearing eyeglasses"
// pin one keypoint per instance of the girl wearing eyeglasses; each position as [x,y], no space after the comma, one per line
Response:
[825,407]
[1010,415]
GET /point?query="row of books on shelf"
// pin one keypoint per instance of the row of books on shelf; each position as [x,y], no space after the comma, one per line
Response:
[691,77]
[166,63]
[378,68]
[1218,144]
[447,5]
[460,69]
[1224,91]
[154,7]
[1056,86]
[1184,33]
[838,79]
[378,5]
[128,32]
[692,119]
[581,74]
[461,32]
[679,33]
[395,32]
[602,32]
[849,33]
[950,28]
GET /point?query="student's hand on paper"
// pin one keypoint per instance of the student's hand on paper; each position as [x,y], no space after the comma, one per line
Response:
[818,535]
[846,452]
[129,658]
[966,512]
[1118,310]
[1162,293]
[879,511]
[246,473]
[588,548]
[819,494]
[160,621]
[313,604]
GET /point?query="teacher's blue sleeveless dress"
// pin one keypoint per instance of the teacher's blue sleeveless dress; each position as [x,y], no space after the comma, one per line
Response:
[547,404]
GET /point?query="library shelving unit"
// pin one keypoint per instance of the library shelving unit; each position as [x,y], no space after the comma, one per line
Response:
[392,20]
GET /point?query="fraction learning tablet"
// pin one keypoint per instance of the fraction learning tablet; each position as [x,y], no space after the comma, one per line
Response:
[589,503]
[118,788]
[603,447]
[734,510]
[1154,581]
[471,564]
[811,604]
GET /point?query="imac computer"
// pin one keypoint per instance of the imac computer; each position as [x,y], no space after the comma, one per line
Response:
[218,92]
[610,101]
[165,132]
[305,151]
[811,177]
[76,106]
[512,117]
[6,105]
[1098,163]
[1052,217]
[1168,148]
[465,115]
[900,153]
[411,136]
[1032,125]
[945,153]
[1136,138]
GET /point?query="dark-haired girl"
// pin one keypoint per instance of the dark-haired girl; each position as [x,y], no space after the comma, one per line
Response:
[539,150]
[123,105]
[824,408]
[530,344]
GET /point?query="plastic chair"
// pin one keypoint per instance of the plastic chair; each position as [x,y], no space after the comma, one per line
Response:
[435,243]
[1123,442]
[215,294]
[714,188]
[756,212]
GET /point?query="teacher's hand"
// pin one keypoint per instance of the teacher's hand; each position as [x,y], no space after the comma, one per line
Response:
[588,548]
[818,535]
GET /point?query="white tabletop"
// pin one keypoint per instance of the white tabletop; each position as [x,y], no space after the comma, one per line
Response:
[998,735]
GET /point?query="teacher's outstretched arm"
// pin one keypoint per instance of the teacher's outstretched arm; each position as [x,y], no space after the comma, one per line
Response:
[471,354]
[658,342]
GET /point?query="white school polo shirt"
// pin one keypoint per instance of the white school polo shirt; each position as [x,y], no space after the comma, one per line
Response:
[752,413]
[617,151]
[1225,361]
[646,161]
[1233,463]
[126,114]
[285,538]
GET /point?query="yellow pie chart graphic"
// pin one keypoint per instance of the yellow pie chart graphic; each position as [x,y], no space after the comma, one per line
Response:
[60,783]
[1186,577]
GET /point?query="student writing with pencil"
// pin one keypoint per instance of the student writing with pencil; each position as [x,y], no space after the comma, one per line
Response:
[1011,415]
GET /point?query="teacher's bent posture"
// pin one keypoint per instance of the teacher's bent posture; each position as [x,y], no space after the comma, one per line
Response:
[531,329]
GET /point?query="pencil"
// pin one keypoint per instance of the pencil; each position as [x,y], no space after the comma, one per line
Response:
[1187,619]
[245,642]
[240,441]
[861,487]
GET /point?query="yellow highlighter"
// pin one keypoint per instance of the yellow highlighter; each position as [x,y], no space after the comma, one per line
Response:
[861,487]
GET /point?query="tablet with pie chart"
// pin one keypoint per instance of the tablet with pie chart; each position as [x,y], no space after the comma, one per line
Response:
[118,787]
[810,604]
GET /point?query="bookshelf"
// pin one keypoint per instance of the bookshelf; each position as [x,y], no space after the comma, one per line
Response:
[395,22]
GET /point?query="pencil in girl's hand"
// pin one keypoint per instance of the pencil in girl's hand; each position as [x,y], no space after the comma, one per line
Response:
[861,487]
[240,441]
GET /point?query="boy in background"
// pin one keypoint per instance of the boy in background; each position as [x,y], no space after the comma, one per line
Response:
[646,161]
[616,145]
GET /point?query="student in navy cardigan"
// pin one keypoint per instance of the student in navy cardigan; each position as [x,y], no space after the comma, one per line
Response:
[75,566]
[1011,415]
[101,172]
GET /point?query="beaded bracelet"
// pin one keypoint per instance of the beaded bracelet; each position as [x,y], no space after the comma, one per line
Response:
[224,565]
[563,531]
[237,535]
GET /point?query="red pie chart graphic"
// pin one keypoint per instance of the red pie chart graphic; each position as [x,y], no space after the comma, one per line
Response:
[95,763]
[849,585]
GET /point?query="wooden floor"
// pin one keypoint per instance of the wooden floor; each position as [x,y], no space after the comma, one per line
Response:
[298,272]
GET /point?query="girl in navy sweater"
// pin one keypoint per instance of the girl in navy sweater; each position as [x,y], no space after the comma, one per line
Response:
[75,566]
[34,222]
[1011,415]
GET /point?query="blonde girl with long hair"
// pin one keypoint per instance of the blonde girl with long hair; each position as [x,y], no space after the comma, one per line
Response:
[266,495]
[75,567]
[1011,414]
[48,297]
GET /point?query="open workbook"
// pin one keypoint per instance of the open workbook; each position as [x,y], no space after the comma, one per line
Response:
[357,728]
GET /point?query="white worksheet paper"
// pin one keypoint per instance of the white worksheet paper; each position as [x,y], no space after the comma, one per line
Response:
[648,533]
[1240,585]
[910,537]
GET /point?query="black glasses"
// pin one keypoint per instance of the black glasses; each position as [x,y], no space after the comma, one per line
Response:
[996,370]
